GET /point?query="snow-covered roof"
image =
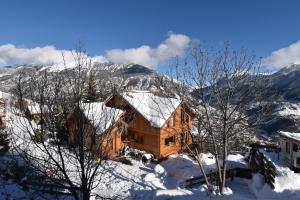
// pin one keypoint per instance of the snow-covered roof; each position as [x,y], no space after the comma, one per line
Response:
[153,108]
[294,136]
[34,108]
[100,116]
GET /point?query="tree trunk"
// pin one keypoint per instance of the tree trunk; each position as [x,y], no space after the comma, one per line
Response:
[224,166]
[217,160]
[204,173]
[85,193]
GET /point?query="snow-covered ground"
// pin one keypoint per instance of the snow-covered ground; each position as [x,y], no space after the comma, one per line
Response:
[287,182]
[165,180]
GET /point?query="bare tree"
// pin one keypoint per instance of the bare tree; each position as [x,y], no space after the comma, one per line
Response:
[44,140]
[221,87]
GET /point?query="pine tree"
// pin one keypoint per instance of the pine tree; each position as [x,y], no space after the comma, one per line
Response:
[91,94]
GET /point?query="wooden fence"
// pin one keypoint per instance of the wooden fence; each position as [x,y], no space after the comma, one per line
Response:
[213,177]
[260,163]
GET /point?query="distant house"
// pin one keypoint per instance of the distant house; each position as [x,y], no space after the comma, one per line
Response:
[290,147]
[35,110]
[140,120]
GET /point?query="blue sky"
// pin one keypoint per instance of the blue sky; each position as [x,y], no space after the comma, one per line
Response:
[263,26]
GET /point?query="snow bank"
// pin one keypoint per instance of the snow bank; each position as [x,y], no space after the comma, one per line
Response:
[207,159]
[287,183]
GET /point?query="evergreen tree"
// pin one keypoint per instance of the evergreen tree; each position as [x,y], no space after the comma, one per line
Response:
[91,94]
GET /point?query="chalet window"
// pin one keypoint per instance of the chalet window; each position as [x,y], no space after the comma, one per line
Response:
[169,141]
[298,161]
[182,138]
[128,118]
[111,144]
[174,119]
[287,147]
[295,147]
[185,118]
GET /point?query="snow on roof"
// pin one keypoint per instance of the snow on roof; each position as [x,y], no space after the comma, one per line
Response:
[295,136]
[100,116]
[154,108]
[35,108]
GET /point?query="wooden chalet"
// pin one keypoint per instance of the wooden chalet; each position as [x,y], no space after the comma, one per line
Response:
[160,126]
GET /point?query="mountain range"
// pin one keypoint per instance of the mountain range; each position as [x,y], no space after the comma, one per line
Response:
[283,87]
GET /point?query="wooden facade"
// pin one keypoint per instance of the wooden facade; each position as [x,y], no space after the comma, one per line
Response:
[105,144]
[171,138]
[132,129]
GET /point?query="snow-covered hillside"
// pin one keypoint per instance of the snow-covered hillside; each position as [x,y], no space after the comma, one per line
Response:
[288,109]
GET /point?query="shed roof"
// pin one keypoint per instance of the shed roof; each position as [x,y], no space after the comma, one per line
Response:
[35,108]
[100,116]
[294,136]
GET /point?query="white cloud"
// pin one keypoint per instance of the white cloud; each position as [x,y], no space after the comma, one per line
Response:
[173,46]
[284,56]
[47,55]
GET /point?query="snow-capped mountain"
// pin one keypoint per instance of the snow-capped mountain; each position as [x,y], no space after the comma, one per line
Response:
[283,86]
[131,76]
[286,83]
[284,99]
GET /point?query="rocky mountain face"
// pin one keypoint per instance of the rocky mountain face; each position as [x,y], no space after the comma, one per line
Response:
[286,83]
[284,98]
[130,76]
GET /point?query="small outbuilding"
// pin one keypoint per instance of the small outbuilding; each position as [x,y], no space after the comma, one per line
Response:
[290,147]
